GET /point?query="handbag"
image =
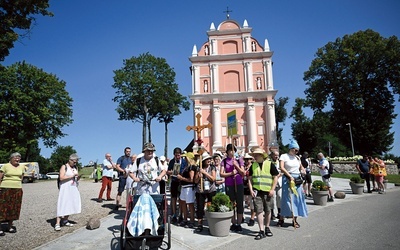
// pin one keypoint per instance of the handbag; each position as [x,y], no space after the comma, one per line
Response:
[298,181]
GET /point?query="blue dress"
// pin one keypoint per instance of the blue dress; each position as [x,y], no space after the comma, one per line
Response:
[299,203]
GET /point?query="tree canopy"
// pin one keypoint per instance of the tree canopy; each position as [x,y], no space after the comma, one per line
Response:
[354,80]
[18,16]
[146,89]
[34,105]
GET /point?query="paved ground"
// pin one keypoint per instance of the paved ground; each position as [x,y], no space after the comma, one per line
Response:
[107,236]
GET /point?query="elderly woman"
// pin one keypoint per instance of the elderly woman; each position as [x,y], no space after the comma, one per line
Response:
[293,201]
[69,198]
[11,175]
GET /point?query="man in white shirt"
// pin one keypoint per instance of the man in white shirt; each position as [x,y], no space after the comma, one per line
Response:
[323,166]
[149,173]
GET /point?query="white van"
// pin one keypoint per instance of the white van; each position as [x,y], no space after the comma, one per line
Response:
[31,171]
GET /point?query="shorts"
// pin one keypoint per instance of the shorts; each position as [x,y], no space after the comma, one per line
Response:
[327,181]
[121,184]
[174,189]
[187,194]
[263,202]
[307,178]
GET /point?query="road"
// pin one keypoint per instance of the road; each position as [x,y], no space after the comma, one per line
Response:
[369,222]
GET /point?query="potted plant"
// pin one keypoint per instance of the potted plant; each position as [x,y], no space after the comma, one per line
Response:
[319,192]
[357,184]
[219,214]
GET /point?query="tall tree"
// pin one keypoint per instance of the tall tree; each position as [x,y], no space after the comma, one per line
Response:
[355,79]
[138,86]
[170,106]
[60,156]
[34,105]
[18,16]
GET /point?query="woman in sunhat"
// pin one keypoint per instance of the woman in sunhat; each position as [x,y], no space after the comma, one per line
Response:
[205,190]
[293,202]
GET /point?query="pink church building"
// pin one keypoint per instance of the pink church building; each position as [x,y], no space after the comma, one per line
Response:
[232,77]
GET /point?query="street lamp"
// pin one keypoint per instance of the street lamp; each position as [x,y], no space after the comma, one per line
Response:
[351,137]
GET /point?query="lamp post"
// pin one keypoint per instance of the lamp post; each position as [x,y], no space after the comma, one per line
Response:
[351,137]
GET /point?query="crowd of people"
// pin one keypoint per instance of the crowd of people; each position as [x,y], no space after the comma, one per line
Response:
[273,186]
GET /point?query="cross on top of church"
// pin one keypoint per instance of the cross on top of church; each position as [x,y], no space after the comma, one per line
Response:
[198,128]
[227,11]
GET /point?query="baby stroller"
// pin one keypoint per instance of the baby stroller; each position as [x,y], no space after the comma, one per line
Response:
[148,242]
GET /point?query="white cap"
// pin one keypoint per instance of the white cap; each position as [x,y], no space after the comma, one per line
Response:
[162,158]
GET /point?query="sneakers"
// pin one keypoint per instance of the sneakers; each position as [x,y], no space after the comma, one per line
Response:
[57,227]
[233,228]
[309,196]
[251,223]
[330,199]
[174,220]
[67,224]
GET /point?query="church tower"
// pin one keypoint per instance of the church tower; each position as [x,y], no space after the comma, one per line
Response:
[232,88]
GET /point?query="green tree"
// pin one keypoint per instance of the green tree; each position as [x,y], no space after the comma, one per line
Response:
[60,156]
[18,16]
[138,86]
[34,105]
[170,104]
[354,80]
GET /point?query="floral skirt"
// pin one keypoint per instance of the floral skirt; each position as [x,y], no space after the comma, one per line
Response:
[10,203]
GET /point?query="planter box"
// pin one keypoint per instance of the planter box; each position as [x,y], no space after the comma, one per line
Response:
[219,223]
[320,197]
[357,188]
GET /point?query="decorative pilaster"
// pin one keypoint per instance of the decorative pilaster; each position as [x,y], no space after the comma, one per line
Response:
[214,78]
[252,126]
[195,79]
[216,130]
[269,84]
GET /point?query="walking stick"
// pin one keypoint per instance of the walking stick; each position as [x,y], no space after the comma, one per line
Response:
[291,205]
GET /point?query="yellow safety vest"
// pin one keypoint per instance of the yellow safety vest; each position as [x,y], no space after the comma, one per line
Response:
[262,178]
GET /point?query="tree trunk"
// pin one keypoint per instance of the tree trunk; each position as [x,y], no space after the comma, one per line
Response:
[148,128]
[144,134]
[166,139]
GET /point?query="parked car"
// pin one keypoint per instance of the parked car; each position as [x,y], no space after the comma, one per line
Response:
[53,175]
[43,177]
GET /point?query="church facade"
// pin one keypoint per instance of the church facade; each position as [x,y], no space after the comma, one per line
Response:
[233,89]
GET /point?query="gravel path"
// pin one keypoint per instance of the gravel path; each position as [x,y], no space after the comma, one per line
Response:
[36,223]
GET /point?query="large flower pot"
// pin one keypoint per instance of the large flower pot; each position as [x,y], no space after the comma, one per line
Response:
[357,188]
[320,197]
[219,223]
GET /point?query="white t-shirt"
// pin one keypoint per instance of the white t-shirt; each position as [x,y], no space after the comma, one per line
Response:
[147,172]
[324,162]
[291,163]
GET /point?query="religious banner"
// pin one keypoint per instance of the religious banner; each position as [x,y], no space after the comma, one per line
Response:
[232,126]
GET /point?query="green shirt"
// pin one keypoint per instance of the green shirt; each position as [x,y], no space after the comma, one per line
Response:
[12,176]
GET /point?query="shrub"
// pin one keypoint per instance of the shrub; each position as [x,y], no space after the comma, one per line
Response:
[356,179]
[220,203]
[319,185]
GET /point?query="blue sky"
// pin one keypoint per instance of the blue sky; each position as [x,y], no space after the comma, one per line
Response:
[87,40]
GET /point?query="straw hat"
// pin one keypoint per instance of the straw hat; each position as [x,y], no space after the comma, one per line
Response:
[259,151]
[205,156]
[247,156]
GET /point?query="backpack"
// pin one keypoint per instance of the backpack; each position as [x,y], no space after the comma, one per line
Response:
[330,169]
[58,179]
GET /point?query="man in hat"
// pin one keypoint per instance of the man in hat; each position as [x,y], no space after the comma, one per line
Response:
[148,173]
[233,172]
[263,177]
